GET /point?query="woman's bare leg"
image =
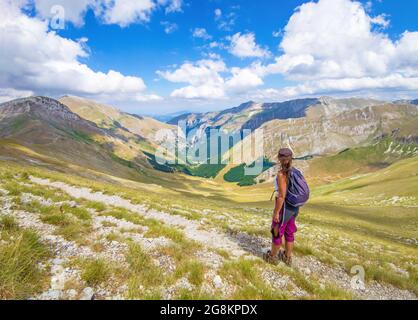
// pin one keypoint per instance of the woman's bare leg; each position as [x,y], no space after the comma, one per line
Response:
[289,248]
[275,249]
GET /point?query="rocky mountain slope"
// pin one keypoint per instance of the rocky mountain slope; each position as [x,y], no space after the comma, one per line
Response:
[109,117]
[317,127]
[377,135]
[50,129]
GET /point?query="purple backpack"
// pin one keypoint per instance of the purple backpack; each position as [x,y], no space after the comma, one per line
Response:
[297,191]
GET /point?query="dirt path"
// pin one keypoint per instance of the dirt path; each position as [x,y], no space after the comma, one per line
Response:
[192,229]
[64,251]
[238,245]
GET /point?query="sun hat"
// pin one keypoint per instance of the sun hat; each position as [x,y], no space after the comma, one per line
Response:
[285,153]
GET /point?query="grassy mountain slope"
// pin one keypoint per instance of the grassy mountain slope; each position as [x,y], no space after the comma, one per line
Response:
[368,221]
[47,128]
[340,145]
[109,117]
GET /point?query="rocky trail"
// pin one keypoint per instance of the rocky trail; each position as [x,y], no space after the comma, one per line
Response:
[239,245]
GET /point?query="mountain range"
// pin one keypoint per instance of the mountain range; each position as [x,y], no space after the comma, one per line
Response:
[81,132]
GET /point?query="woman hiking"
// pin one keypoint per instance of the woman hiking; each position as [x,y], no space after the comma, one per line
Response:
[284,214]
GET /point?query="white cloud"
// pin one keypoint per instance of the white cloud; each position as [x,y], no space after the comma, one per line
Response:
[225,21]
[74,10]
[313,49]
[381,20]
[244,46]
[328,47]
[203,71]
[215,44]
[174,6]
[389,86]
[36,59]
[214,56]
[243,80]
[7,94]
[120,12]
[204,79]
[125,12]
[201,33]
[211,79]
[171,6]
[169,27]
[200,92]
[331,46]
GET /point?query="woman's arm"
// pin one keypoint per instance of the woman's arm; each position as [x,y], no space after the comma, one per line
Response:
[282,196]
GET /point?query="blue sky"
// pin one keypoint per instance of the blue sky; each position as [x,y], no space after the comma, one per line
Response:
[161,56]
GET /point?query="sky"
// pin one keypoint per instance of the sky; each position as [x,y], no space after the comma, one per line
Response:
[164,56]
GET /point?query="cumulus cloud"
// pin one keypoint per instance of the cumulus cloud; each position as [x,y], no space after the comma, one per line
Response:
[54,67]
[120,12]
[201,33]
[125,12]
[331,46]
[7,94]
[244,46]
[211,79]
[243,79]
[74,10]
[173,5]
[337,36]
[204,79]
[327,47]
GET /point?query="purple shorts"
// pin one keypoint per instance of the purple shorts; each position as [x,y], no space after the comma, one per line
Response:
[286,229]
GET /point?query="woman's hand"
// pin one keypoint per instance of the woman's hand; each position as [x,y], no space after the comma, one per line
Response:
[276,216]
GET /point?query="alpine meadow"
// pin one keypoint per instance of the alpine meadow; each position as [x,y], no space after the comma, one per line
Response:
[143,143]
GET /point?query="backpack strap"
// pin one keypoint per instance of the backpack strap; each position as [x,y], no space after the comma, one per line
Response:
[276,187]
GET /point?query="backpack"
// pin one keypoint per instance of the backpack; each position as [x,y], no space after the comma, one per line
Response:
[297,189]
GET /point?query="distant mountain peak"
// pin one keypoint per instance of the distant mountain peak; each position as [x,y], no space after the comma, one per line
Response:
[40,106]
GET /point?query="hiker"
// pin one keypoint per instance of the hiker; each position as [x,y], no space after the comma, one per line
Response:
[291,192]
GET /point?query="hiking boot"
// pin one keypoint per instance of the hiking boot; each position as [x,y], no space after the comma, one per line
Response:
[269,258]
[283,257]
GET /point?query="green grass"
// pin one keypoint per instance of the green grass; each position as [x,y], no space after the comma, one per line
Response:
[95,272]
[98,206]
[363,228]
[245,275]
[193,269]
[20,255]
[145,278]
[81,136]
[237,174]
[207,170]
[363,159]
[8,223]
[73,223]
[18,123]
[155,228]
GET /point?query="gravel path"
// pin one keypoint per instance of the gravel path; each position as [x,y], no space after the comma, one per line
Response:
[192,229]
